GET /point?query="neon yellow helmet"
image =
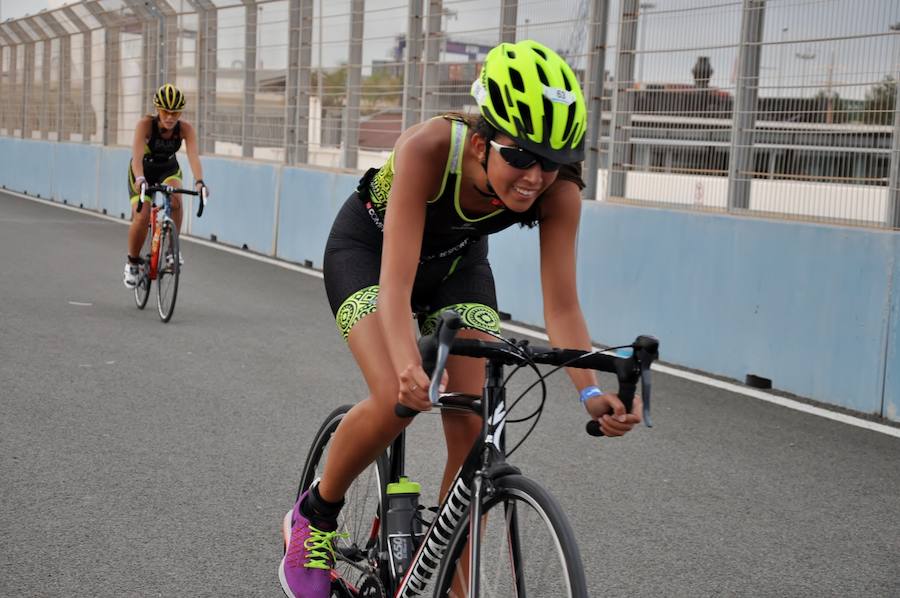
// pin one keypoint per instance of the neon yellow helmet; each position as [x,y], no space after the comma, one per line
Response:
[527,91]
[168,97]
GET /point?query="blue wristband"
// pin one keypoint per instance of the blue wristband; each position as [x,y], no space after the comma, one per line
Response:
[589,391]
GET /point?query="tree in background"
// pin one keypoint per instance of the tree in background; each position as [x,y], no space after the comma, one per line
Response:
[880,102]
[380,89]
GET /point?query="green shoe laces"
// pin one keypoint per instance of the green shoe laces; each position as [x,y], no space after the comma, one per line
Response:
[320,548]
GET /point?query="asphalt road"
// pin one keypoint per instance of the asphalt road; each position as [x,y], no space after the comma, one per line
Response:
[147,459]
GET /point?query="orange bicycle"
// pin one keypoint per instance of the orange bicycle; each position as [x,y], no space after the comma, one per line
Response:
[161,242]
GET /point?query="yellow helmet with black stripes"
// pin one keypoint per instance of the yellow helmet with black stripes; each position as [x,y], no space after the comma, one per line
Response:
[168,97]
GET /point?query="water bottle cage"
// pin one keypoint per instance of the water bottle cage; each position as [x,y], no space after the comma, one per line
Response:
[425,523]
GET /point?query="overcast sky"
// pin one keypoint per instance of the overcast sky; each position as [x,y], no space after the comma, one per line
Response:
[672,36]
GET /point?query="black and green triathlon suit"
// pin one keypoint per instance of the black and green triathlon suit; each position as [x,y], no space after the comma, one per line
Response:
[160,163]
[453,273]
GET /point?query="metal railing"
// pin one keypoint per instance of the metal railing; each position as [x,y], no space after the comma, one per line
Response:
[786,108]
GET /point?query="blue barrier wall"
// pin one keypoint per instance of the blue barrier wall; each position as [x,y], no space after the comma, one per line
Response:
[27,165]
[111,186]
[801,304]
[74,176]
[309,201]
[814,308]
[242,205]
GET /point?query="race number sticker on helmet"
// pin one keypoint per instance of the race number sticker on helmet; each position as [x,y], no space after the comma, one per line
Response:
[478,92]
[560,96]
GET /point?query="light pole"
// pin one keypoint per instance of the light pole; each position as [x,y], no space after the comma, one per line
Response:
[780,60]
[643,6]
[805,57]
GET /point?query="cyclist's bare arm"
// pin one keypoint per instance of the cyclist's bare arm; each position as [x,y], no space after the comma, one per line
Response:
[141,133]
[560,215]
[418,167]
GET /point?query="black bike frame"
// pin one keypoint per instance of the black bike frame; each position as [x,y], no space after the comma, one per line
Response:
[486,461]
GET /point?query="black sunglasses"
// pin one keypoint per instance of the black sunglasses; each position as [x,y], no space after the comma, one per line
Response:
[523,159]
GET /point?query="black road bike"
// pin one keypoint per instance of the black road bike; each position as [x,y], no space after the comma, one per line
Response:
[497,532]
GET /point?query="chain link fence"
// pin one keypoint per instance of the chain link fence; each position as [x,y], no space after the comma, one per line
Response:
[783,108]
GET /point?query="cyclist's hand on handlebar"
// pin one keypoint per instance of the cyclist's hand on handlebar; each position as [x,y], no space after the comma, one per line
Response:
[199,187]
[414,384]
[610,413]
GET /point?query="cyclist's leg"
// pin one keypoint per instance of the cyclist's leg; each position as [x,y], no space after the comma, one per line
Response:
[137,232]
[368,429]
[174,179]
[469,290]
[466,375]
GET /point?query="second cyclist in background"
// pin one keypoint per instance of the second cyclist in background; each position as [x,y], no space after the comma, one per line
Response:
[157,138]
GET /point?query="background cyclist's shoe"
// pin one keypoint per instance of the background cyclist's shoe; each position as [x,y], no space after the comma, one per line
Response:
[170,260]
[305,570]
[132,275]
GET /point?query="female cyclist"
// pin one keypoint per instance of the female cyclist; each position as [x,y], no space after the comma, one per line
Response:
[414,236]
[156,139]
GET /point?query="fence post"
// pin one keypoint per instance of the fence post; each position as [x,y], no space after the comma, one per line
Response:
[251,18]
[86,57]
[64,83]
[44,117]
[207,45]
[623,99]
[7,80]
[350,134]
[297,92]
[509,14]
[27,75]
[432,56]
[111,71]
[412,73]
[740,160]
[892,218]
[5,94]
[597,79]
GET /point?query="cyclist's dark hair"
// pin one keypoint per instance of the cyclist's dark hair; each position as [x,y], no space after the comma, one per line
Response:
[478,124]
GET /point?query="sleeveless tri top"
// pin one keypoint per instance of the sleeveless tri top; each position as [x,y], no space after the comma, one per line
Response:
[446,225]
[158,150]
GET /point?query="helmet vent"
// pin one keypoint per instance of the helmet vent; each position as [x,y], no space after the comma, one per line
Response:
[516,79]
[497,103]
[511,54]
[568,83]
[540,53]
[570,118]
[548,117]
[542,75]
[527,122]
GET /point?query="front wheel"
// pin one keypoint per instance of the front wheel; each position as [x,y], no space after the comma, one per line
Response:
[142,288]
[357,557]
[527,547]
[169,270]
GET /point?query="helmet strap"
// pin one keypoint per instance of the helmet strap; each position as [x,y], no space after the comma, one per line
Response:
[491,194]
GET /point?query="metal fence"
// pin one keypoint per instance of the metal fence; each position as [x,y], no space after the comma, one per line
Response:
[780,107]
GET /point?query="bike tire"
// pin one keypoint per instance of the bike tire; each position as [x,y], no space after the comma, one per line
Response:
[357,556]
[518,513]
[168,272]
[142,288]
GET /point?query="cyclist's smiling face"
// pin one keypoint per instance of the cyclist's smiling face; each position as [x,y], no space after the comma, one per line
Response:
[518,188]
[168,118]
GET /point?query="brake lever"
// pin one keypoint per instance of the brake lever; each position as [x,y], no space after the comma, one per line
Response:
[646,351]
[645,395]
